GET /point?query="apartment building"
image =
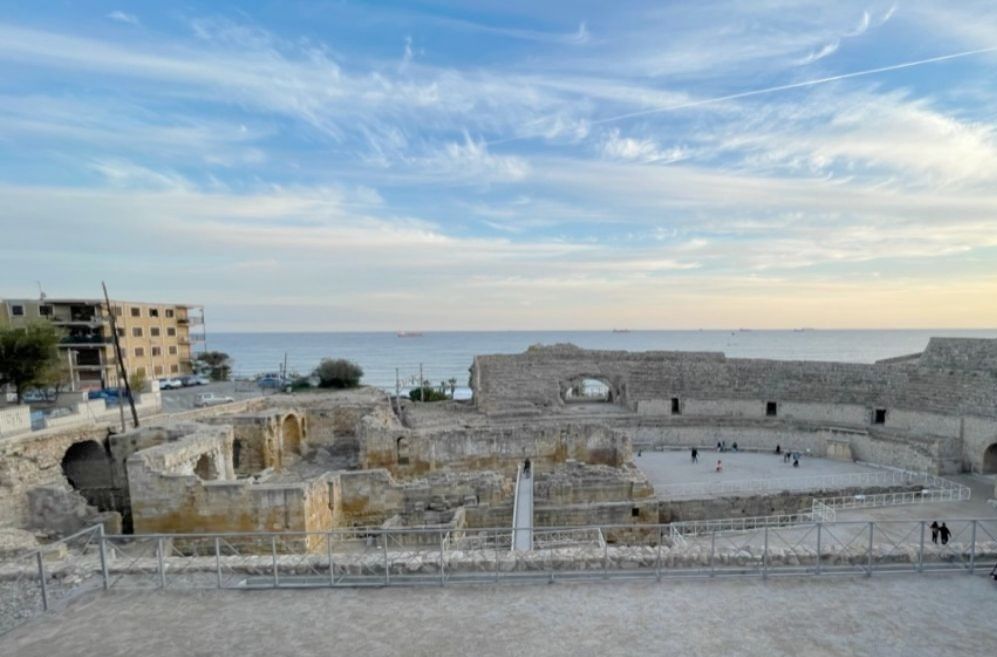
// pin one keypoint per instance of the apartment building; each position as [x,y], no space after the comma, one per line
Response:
[157,340]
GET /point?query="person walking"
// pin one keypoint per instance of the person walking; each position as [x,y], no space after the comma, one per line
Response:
[734,446]
[796,463]
[778,449]
[934,532]
[695,455]
[944,532]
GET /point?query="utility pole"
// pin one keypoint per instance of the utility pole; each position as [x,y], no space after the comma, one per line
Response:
[122,375]
[398,394]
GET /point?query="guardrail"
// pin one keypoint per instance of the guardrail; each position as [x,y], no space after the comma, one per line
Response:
[90,560]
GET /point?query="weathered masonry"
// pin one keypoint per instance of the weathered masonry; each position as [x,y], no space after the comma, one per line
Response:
[934,411]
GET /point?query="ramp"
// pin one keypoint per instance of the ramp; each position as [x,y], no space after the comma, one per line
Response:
[522,511]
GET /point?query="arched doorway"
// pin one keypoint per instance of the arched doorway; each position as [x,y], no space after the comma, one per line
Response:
[587,390]
[88,470]
[401,450]
[205,468]
[290,431]
[990,460]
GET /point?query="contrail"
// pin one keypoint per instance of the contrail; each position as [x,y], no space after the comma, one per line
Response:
[782,87]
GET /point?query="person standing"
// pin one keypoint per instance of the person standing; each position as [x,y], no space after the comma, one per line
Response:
[934,532]
[944,532]
[695,455]
[734,446]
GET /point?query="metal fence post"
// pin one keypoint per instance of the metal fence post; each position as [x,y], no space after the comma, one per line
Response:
[713,550]
[160,558]
[443,573]
[218,560]
[869,553]
[332,566]
[820,525]
[920,551]
[102,547]
[384,542]
[657,560]
[765,555]
[972,551]
[41,579]
[605,560]
[273,555]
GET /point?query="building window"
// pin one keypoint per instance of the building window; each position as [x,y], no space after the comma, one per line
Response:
[156,351]
[174,369]
[137,332]
[171,331]
[139,352]
[154,331]
[159,369]
[17,311]
[153,312]
[169,312]
[117,311]
[635,512]
[45,311]
[676,407]
[121,332]
[173,350]
[771,409]
[879,416]
[136,312]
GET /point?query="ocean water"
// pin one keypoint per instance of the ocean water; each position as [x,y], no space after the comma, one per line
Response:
[446,355]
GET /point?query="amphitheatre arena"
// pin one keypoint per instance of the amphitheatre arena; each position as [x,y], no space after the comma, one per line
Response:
[567,467]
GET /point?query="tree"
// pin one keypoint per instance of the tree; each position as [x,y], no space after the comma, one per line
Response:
[29,355]
[137,381]
[218,364]
[338,373]
[453,386]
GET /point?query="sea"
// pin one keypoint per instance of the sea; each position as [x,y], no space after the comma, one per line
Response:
[445,355]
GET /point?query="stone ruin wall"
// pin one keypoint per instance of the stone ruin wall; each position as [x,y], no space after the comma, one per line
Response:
[947,412]
[500,449]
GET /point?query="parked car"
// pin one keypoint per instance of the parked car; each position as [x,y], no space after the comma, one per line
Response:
[211,399]
[272,381]
[189,380]
[202,380]
[167,384]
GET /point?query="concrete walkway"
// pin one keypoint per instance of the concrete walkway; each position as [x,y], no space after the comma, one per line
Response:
[523,522]
[889,616]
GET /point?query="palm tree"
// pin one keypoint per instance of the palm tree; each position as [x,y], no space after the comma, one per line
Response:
[453,386]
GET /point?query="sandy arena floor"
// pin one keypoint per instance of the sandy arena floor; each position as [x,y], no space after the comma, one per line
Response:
[906,616]
[676,467]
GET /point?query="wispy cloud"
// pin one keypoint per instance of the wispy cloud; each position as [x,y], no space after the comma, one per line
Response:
[122,17]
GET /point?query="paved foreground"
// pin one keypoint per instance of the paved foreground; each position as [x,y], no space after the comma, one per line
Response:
[948,615]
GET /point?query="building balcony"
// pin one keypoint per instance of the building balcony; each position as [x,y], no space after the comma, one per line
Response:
[190,320]
[84,341]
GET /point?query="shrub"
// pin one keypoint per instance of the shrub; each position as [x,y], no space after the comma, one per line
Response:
[425,393]
[301,383]
[338,373]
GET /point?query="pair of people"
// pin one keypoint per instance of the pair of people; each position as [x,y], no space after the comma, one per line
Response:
[940,532]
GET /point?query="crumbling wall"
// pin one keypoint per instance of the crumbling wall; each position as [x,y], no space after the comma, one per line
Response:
[408,453]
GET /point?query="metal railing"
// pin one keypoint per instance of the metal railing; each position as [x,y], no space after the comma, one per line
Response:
[90,560]
[885,478]
[825,509]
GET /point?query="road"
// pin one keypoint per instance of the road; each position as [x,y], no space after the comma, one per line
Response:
[182,399]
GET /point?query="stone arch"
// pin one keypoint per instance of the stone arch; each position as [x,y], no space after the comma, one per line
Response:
[87,468]
[990,459]
[589,388]
[290,431]
[402,450]
[206,468]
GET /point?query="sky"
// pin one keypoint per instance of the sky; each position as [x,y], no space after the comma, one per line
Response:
[444,165]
